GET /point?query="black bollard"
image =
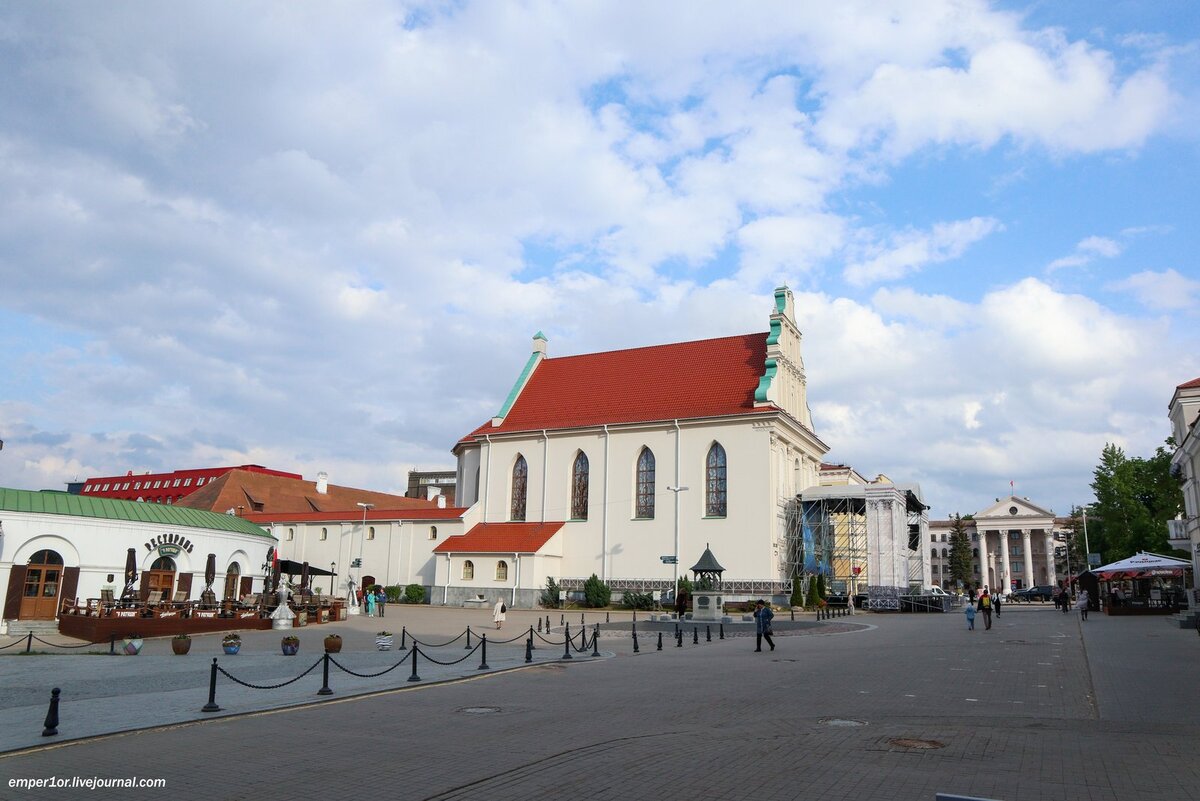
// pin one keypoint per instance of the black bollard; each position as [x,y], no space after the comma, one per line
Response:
[606,617]
[29,642]
[325,678]
[567,642]
[721,630]
[539,625]
[660,641]
[635,642]
[793,613]
[695,636]
[51,725]
[547,624]
[414,676]
[562,620]
[468,648]
[529,649]
[596,641]
[483,665]
[211,706]
[678,637]
[112,645]
[403,638]
[707,633]
[581,620]
[531,645]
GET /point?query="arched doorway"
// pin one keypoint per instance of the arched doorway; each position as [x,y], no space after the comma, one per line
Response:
[231,581]
[39,597]
[159,578]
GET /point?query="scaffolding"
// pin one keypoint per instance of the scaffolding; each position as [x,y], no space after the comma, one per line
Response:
[828,536]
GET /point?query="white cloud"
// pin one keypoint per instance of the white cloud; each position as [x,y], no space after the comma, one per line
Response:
[1086,250]
[1160,291]
[908,251]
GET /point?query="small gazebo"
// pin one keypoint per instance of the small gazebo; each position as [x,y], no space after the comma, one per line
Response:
[707,594]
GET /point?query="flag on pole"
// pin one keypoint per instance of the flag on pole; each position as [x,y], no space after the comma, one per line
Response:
[1012,487]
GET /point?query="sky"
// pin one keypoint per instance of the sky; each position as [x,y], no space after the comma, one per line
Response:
[319,238]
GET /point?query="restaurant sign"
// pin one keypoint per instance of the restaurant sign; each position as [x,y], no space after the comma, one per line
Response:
[169,550]
[169,544]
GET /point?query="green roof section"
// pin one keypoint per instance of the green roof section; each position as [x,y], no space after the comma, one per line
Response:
[64,503]
[534,358]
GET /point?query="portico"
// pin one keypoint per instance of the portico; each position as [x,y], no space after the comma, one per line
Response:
[1018,537]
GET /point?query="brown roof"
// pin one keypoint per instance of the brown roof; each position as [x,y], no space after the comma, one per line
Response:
[247,492]
[1195,382]
[501,538]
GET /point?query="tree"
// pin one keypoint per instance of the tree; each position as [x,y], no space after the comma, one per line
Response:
[960,552]
[1134,498]
[797,598]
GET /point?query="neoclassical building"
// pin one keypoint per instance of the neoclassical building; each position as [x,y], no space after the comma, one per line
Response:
[628,463]
[1012,545]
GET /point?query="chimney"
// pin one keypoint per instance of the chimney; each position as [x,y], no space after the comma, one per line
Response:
[432,492]
[441,501]
[322,483]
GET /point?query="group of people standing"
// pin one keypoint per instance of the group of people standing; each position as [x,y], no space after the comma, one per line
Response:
[373,601]
[987,604]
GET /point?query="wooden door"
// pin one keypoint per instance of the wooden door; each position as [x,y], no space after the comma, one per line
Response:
[39,600]
[158,582]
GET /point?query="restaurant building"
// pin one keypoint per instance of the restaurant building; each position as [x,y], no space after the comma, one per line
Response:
[59,550]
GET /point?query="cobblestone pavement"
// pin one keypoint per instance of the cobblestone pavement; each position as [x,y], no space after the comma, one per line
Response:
[1040,707]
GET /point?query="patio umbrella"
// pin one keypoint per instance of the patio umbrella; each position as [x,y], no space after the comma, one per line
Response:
[304,579]
[131,575]
[1142,565]
[210,572]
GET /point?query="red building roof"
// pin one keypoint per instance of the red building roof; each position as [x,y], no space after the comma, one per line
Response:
[501,538]
[1195,382]
[166,487]
[685,380]
[356,515]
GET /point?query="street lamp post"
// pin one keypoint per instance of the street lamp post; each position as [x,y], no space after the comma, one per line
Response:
[332,573]
[676,490]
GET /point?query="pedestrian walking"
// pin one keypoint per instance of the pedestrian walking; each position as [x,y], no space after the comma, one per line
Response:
[985,606]
[1082,603]
[370,603]
[681,603]
[762,625]
[970,617]
[997,600]
[380,600]
[498,612]
[1066,598]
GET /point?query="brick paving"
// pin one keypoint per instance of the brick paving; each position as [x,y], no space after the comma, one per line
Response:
[1040,707]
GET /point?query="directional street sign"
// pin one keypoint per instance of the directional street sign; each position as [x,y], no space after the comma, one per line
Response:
[669,560]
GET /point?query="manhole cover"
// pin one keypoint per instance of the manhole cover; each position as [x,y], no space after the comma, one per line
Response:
[842,722]
[909,742]
[479,710]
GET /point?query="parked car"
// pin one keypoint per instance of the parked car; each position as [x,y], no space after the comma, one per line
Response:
[935,591]
[1042,592]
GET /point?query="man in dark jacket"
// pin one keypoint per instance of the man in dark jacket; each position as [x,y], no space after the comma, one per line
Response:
[762,625]
[984,605]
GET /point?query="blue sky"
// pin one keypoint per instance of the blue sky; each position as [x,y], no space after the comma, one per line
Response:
[320,239]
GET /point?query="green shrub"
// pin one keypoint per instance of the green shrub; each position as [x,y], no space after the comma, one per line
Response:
[684,586]
[821,594]
[637,600]
[414,594]
[596,593]
[813,600]
[394,593]
[549,596]
[797,590]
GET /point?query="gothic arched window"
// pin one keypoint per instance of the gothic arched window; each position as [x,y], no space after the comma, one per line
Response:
[579,487]
[714,481]
[645,484]
[520,483]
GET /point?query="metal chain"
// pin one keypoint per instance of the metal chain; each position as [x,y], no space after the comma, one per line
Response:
[56,645]
[437,645]
[523,635]
[465,656]
[268,686]
[11,644]
[345,669]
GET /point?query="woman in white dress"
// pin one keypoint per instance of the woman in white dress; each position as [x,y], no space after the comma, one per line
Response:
[498,612]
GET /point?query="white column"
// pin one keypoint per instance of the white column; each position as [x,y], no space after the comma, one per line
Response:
[1005,579]
[989,574]
[1027,547]
[1051,579]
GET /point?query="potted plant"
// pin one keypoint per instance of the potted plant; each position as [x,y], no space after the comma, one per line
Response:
[131,645]
[181,644]
[290,645]
[333,643]
[383,640]
[232,643]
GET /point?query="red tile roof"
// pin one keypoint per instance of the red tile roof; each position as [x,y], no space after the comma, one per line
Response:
[247,492]
[1195,382]
[685,380]
[501,538]
[356,515]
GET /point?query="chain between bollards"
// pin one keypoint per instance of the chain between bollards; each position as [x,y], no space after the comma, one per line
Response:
[50,727]
[596,641]
[325,677]
[211,706]
[567,642]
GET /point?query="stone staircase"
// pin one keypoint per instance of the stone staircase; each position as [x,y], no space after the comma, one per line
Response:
[40,628]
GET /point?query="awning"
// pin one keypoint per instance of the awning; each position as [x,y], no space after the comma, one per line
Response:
[1143,565]
[290,568]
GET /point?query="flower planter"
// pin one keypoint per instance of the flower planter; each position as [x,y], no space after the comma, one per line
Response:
[290,646]
[384,642]
[131,646]
[333,645]
[231,648]
[181,647]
